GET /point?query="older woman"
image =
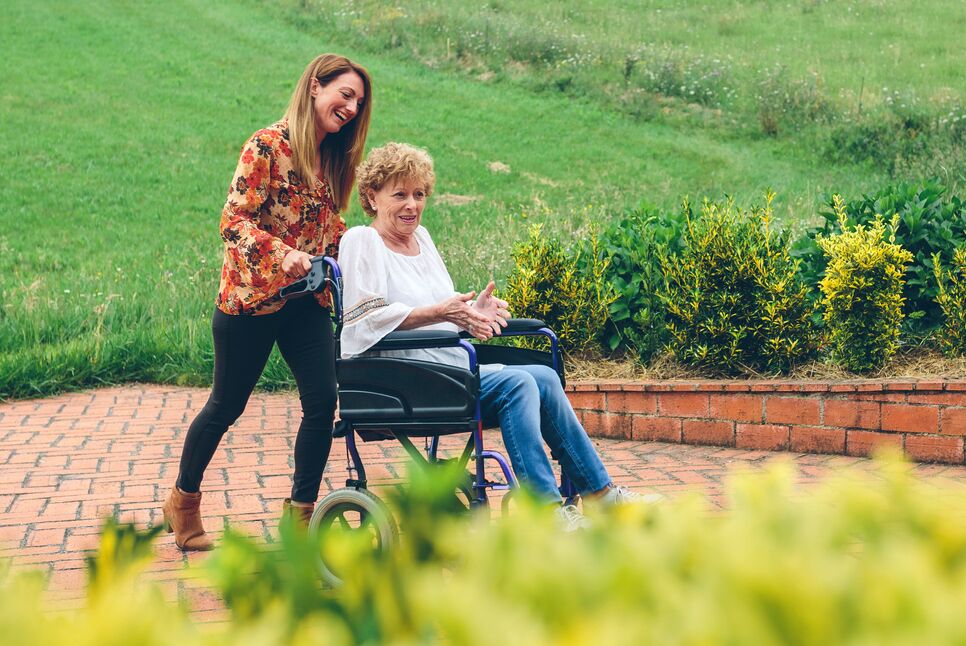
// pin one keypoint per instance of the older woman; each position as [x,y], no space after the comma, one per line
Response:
[394,279]
[292,181]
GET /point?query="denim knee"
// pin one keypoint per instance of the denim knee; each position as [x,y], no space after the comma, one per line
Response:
[545,376]
[520,386]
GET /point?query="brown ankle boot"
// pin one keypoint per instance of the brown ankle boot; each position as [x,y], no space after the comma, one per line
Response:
[300,511]
[182,515]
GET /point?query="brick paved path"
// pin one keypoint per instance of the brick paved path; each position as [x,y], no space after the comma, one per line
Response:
[69,461]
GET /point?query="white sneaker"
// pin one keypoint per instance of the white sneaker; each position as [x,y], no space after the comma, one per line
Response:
[570,518]
[623,496]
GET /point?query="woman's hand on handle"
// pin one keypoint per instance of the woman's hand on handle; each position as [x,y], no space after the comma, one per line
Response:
[495,309]
[296,264]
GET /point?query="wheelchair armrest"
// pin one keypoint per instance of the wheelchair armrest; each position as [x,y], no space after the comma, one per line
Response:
[415,339]
[515,327]
[522,326]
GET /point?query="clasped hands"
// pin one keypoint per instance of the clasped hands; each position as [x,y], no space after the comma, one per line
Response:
[483,319]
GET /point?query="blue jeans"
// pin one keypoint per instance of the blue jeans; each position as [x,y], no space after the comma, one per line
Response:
[531,408]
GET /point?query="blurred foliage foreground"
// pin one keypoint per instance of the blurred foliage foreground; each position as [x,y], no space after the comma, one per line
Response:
[876,557]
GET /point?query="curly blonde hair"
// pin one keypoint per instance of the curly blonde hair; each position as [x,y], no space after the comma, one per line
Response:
[391,162]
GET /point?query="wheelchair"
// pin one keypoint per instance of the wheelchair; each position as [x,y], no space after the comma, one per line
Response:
[387,398]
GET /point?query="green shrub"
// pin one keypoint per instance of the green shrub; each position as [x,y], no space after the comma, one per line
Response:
[930,222]
[733,298]
[862,291]
[120,608]
[862,558]
[547,283]
[123,550]
[901,130]
[633,246]
[880,139]
[952,301]
[903,137]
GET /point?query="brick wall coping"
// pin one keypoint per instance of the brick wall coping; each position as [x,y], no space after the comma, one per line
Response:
[769,385]
[923,418]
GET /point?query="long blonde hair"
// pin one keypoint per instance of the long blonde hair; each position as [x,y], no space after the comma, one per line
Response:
[339,152]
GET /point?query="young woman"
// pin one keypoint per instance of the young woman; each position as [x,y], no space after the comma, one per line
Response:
[292,181]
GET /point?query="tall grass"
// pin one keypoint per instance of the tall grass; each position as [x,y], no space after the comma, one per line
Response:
[881,76]
[861,44]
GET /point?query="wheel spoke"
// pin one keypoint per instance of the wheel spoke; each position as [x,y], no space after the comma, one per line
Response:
[347,514]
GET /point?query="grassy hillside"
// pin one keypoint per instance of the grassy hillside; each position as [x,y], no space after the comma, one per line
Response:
[909,45]
[861,81]
[120,124]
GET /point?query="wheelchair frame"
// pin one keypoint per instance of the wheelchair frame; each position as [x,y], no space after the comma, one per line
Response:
[325,272]
[378,415]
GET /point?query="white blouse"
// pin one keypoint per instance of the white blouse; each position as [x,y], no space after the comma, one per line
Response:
[381,287]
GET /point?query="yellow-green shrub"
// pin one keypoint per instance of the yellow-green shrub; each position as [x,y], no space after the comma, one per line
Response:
[862,291]
[861,558]
[547,283]
[733,297]
[119,607]
[952,301]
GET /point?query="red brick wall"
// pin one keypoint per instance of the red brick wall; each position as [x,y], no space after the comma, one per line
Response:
[925,419]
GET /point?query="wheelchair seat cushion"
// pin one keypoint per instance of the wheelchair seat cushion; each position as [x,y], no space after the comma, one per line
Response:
[382,388]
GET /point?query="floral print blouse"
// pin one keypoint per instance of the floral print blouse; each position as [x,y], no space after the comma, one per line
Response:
[269,212]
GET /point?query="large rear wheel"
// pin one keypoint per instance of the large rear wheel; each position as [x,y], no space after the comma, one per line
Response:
[356,514]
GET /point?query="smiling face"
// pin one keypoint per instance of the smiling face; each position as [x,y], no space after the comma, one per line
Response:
[399,207]
[337,103]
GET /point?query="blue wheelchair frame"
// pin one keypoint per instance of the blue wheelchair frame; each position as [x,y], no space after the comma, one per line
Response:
[373,414]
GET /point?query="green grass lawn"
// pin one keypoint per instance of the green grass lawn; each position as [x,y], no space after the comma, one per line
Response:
[864,81]
[120,124]
[907,45]
[912,45]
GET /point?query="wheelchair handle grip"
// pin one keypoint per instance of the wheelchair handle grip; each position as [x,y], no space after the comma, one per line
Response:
[324,273]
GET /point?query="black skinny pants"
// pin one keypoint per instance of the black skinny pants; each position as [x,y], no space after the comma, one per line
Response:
[303,331]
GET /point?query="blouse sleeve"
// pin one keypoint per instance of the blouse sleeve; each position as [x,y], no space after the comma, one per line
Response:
[369,313]
[255,249]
